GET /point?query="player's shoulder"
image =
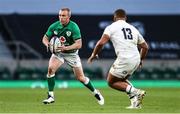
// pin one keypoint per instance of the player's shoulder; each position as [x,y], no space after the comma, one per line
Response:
[55,24]
[133,28]
[113,25]
[117,23]
[72,23]
[110,26]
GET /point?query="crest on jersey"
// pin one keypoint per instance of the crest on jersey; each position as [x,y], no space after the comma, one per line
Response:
[68,33]
[55,32]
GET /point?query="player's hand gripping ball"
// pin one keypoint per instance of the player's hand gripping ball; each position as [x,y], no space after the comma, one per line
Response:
[54,44]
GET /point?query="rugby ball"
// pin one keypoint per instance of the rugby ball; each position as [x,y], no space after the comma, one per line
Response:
[54,44]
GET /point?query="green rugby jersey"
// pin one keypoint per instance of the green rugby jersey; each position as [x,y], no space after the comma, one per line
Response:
[70,32]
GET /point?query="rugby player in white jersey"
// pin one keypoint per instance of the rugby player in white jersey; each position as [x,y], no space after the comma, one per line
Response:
[125,39]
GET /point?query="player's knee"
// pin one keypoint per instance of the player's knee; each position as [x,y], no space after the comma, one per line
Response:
[110,84]
[81,78]
[51,71]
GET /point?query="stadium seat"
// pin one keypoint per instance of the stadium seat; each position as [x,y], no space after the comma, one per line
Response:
[39,73]
[156,74]
[144,74]
[178,73]
[94,73]
[23,74]
[5,74]
[140,74]
[169,73]
[65,74]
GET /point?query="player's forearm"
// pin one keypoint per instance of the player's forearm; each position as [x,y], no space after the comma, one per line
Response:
[104,39]
[143,53]
[143,50]
[97,49]
[45,40]
[76,45]
[72,47]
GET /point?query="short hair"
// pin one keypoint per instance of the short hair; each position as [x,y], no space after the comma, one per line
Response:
[66,9]
[120,13]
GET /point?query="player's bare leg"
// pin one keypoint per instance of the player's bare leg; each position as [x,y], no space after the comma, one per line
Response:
[54,64]
[86,82]
[124,86]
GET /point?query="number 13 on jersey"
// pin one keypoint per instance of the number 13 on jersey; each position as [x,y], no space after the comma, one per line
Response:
[127,33]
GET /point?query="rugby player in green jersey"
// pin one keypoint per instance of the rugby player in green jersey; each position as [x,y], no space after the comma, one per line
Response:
[70,33]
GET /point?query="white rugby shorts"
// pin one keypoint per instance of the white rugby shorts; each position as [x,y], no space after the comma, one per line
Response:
[72,59]
[124,67]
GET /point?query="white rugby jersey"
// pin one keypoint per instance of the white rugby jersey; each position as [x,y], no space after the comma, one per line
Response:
[124,38]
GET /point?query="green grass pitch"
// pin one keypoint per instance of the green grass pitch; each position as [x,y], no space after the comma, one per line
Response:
[80,100]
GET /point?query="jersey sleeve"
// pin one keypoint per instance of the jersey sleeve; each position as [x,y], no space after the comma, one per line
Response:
[49,32]
[76,32]
[107,31]
[140,38]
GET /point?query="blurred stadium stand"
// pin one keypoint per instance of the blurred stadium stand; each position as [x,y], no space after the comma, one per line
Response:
[95,73]
[5,51]
[23,56]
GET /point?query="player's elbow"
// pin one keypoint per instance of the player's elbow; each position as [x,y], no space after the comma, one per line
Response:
[100,43]
[146,46]
[79,46]
[43,40]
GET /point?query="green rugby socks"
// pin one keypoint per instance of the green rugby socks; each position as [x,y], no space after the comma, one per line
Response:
[89,85]
[51,82]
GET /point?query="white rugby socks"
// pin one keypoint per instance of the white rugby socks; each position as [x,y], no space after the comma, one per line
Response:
[132,90]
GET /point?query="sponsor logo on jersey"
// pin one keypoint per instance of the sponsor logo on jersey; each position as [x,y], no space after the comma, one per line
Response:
[124,72]
[62,39]
[55,32]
